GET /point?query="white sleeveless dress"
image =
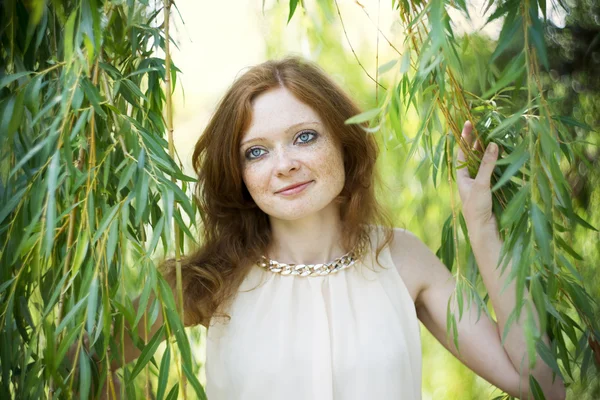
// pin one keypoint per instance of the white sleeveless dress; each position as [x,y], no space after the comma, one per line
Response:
[349,335]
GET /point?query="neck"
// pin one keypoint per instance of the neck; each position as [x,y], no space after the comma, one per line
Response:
[311,240]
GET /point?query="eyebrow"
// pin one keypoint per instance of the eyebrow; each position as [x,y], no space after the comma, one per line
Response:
[290,128]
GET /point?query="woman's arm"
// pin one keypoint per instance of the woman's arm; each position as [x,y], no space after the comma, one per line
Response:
[476,198]
[479,339]
[486,248]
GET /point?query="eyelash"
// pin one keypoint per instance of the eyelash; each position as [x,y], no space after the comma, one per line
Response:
[314,134]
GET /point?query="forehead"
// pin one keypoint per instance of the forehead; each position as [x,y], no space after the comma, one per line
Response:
[276,110]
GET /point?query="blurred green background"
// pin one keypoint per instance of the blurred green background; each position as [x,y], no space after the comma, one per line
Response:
[217,40]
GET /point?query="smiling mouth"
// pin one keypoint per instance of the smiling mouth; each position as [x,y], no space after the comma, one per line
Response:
[294,189]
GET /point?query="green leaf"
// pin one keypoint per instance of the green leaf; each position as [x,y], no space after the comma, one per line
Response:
[12,202]
[52,179]
[70,315]
[511,170]
[133,88]
[32,152]
[536,33]
[85,377]
[8,79]
[563,245]
[173,392]
[158,230]
[106,220]
[111,244]
[536,389]
[511,73]
[572,122]
[363,117]
[6,284]
[506,124]
[293,5]
[163,376]
[539,299]
[405,64]
[547,356]
[540,228]
[148,352]
[68,38]
[387,66]
[193,380]
[143,303]
[516,206]
[141,196]
[66,343]
[126,176]
[80,253]
[570,267]
[93,95]
[440,148]
[92,304]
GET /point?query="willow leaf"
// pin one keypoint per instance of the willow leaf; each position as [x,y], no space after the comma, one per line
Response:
[70,315]
[52,179]
[511,170]
[163,375]
[148,352]
[85,379]
[10,205]
[106,220]
[8,79]
[363,117]
[547,356]
[536,389]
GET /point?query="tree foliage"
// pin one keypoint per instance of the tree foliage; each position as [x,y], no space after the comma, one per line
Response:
[85,175]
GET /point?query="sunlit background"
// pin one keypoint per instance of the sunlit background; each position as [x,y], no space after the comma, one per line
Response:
[217,40]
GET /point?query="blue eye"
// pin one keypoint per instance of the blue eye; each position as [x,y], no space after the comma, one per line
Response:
[254,153]
[306,136]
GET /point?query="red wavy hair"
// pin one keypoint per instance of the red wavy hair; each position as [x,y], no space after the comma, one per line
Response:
[234,230]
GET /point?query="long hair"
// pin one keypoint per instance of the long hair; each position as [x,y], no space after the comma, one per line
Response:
[234,230]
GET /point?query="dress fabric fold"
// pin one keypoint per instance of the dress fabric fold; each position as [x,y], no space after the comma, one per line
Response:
[349,335]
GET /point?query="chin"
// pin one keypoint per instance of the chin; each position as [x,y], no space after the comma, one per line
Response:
[291,215]
[297,211]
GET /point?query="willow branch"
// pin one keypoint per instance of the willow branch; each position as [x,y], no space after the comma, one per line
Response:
[352,48]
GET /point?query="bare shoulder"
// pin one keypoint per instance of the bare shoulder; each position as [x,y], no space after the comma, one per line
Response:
[414,260]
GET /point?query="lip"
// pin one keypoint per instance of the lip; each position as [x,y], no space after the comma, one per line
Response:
[294,189]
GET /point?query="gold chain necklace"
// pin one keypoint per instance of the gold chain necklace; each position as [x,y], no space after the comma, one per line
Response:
[345,261]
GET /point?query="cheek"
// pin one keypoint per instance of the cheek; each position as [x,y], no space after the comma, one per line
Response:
[333,166]
[255,180]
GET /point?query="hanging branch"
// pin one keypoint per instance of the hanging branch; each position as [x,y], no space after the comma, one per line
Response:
[169,117]
[352,48]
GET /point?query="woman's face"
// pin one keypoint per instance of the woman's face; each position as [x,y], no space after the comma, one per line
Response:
[291,164]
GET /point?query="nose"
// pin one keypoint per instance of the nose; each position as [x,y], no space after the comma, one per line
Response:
[286,163]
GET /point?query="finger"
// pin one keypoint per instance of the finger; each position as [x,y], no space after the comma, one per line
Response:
[467,133]
[484,175]
[466,138]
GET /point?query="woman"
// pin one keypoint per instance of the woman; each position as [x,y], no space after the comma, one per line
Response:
[307,291]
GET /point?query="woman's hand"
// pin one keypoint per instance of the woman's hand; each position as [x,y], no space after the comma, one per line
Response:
[475,193]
